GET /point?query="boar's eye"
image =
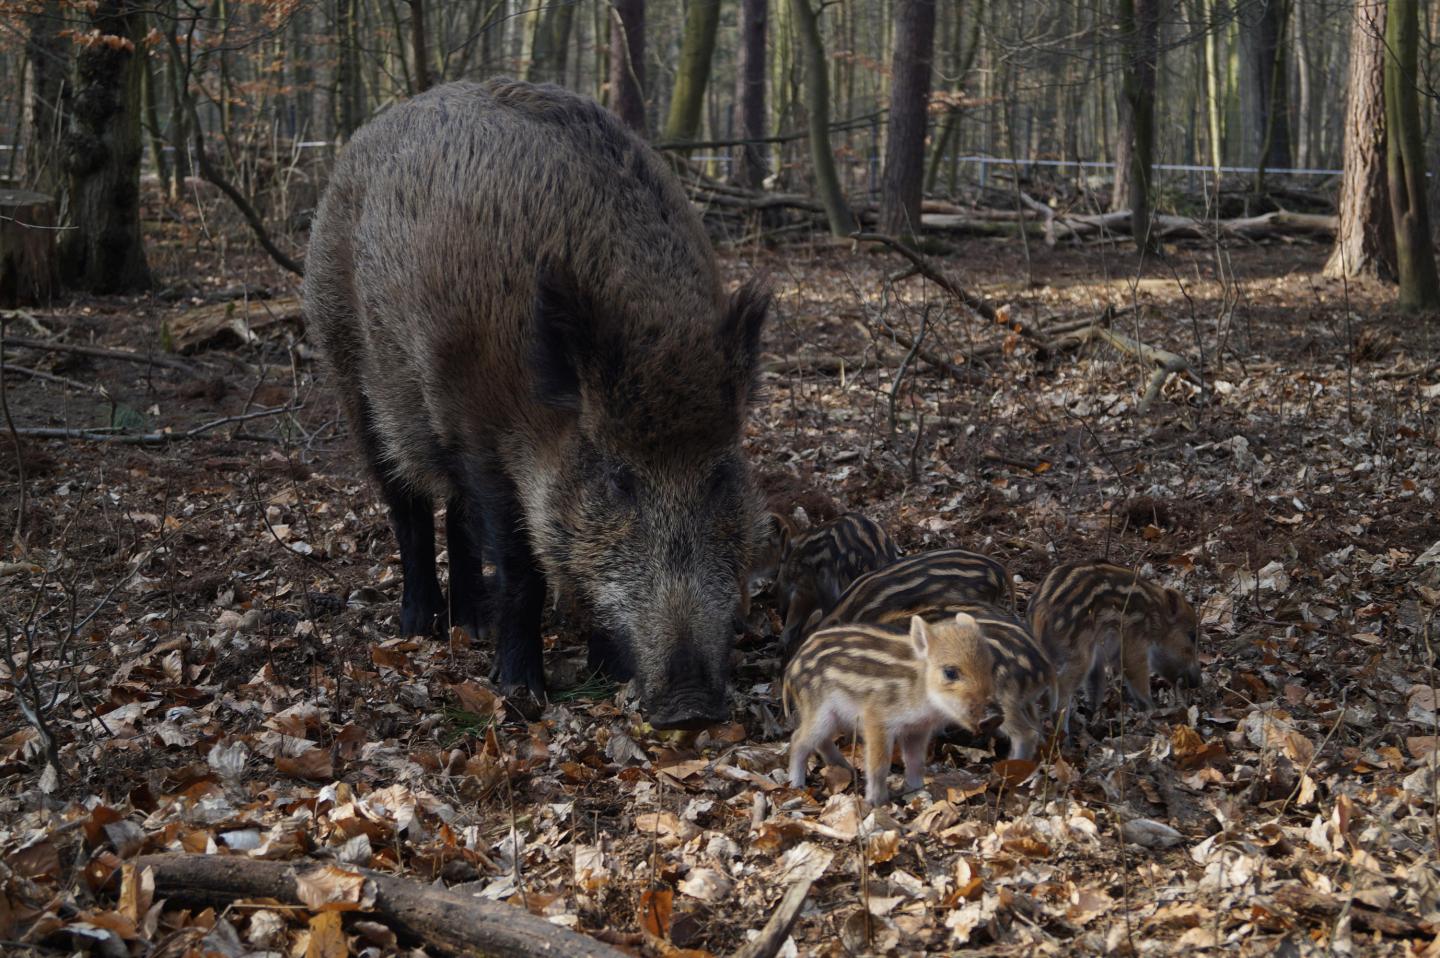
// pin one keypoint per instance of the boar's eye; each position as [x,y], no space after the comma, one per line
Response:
[951,673]
[621,484]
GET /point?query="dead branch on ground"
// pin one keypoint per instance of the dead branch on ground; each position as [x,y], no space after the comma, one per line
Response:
[441,918]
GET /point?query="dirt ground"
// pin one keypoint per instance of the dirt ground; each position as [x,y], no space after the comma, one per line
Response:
[213,621]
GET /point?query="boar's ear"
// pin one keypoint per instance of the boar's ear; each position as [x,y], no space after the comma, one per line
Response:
[1173,601]
[564,331]
[919,636]
[740,331]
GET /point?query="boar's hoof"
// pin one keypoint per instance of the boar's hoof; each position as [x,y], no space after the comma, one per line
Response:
[524,704]
[422,611]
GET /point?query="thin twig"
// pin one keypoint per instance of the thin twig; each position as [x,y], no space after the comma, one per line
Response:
[101,352]
[61,380]
[151,438]
[19,535]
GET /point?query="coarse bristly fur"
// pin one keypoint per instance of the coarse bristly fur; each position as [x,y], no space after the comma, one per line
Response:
[887,683]
[1091,616]
[927,584]
[524,318]
[820,563]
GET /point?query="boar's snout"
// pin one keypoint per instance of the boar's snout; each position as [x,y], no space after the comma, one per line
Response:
[691,697]
[1190,678]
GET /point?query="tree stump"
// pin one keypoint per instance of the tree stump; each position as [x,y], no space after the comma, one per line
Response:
[27,249]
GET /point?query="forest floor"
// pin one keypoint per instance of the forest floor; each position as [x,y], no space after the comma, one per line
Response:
[213,619]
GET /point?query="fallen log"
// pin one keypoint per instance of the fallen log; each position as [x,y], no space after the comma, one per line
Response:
[440,918]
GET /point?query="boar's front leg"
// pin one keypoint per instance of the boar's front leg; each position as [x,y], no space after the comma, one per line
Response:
[422,605]
[519,594]
[464,533]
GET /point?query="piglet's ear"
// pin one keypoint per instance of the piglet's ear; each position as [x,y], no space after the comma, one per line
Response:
[919,636]
[740,333]
[967,623]
[1173,602]
[563,335]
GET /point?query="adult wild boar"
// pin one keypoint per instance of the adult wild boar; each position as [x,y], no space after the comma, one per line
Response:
[524,318]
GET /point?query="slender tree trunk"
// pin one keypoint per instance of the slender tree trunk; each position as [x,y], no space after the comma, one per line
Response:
[418,46]
[1266,105]
[48,54]
[817,104]
[627,62]
[910,67]
[702,23]
[948,134]
[102,151]
[1405,161]
[750,167]
[349,94]
[1214,94]
[1139,27]
[550,49]
[152,123]
[1365,240]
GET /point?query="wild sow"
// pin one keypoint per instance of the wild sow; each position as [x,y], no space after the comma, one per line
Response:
[524,318]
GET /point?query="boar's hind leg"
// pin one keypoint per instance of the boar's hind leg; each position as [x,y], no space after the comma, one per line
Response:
[412,516]
[464,533]
[519,594]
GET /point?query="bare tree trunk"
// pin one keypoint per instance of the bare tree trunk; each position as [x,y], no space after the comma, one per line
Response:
[817,104]
[1365,241]
[551,45]
[152,124]
[1139,28]
[349,93]
[950,126]
[903,180]
[627,63]
[1405,161]
[418,46]
[702,23]
[750,166]
[1214,94]
[1266,105]
[104,253]
[48,54]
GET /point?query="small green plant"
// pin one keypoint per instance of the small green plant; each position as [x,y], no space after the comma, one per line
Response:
[594,688]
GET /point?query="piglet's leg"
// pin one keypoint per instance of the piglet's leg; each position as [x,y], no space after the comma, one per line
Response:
[808,735]
[832,753]
[1022,729]
[914,747]
[1135,659]
[878,744]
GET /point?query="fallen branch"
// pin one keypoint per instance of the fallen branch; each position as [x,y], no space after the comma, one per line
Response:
[1168,362]
[924,267]
[437,916]
[772,937]
[124,355]
[1314,904]
[52,378]
[150,438]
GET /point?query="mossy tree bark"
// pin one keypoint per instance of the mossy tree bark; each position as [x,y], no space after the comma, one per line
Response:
[817,104]
[702,23]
